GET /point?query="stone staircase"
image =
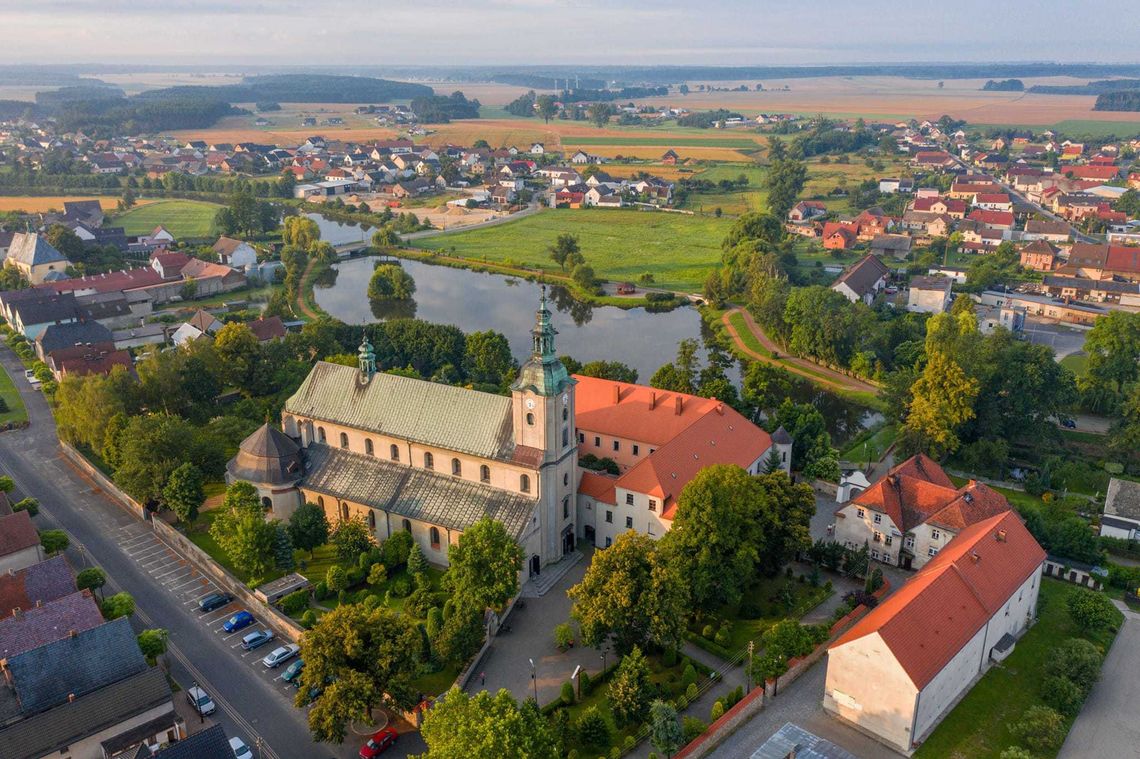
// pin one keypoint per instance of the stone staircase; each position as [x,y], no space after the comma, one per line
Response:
[536,587]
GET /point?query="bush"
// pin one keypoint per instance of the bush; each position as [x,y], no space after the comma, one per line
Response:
[737,696]
[564,635]
[372,601]
[1091,610]
[723,637]
[691,692]
[336,579]
[592,728]
[689,676]
[568,693]
[308,619]
[682,703]
[377,574]
[692,728]
[669,658]
[401,587]
[434,622]
[1077,660]
[708,632]
[629,743]
[587,684]
[295,602]
[396,549]
[1062,694]
[30,505]
[1041,728]
[717,710]
[1015,752]
[320,591]
[615,753]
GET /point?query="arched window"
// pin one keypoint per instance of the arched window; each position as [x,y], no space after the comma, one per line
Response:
[266,503]
[484,473]
[394,452]
[407,525]
[429,460]
[456,467]
[565,478]
[565,508]
[321,434]
[344,440]
[565,436]
[344,511]
[524,483]
[565,413]
[321,502]
[368,446]
[435,537]
[530,419]
[371,519]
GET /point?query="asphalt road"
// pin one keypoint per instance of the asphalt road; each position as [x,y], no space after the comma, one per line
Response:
[251,705]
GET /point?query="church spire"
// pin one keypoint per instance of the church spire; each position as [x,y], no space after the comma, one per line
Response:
[367,359]
[543,373]
[543,332]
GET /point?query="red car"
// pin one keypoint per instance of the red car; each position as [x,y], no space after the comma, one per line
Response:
[378,743]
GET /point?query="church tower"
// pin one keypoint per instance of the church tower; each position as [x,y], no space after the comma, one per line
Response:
[543,417]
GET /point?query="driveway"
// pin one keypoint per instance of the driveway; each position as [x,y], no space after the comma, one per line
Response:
[251,703]
[1107,724]
[1062,338]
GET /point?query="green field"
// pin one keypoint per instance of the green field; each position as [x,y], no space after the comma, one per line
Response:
[735,202]
[979,726]
[1077,128]
[666,142]
[184,218]
[678,250]
[11,396]
[1077,363]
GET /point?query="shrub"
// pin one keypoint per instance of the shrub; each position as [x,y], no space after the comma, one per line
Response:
[682,703]
[708,631]
[615,753]
[1091,610]
[1041,728]
[434,622]
[336,579]
[295,603]
[691,692]
[690,676]
[341,597]
[30,505]
[377,574]
[564,635]
[585,683]
[692,727]
[669,658]
[717,710]
[1062,694]
[308,619]
[372,600]
[629,743]
[355,576]
[396,549]
[1076,660]
[401,587]
[320,591]
[723,637]
[592,728]
[737,695]
[1015,752]
[568,693]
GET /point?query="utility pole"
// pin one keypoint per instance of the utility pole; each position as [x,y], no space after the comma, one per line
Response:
[751,648]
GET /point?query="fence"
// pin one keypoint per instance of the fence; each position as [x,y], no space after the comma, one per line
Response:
[104,483]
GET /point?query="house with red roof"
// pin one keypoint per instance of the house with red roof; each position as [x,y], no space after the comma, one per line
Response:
[901,668]
[1099,172]
[19,542]
[941,206]
[993,201]
[659,440]
[911,513]
[992,219]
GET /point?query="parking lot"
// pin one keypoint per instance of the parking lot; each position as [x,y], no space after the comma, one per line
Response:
[178,577]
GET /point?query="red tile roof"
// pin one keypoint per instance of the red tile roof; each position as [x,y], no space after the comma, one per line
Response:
[17,533]
[110,282]
[43,582]
[94,362]
[271,328]
[1094,172]
[1001,218]
[600,487]
[927,621]
[953,205]
[639,413]
[992,197]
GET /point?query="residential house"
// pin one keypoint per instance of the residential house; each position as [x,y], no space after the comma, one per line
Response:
[1046,229]
[937,160]
[1121,517]
[201,324]
[537,149]
[901,668]
[890,186]
[168,265]
[952,207]
[210,743]
[57,337]
[907,516]
[35,585]
[82,360]
[35,258]
[670,158]
[1040,255]
[19,542]
[582,158]
[993,219]
[872,221]
[862,281]
[1100,173]
[894,245]
[839,235]
[930,295]
[267,329]
[993,201]
[30,311]
[793,742]
[85,211]
[805,210]
[38,625]
[968,188]
[237,254]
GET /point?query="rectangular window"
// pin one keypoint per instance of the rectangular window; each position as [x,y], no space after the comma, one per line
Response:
[909,542]
[931,551]
[610,517]
[889,540]
[629,523]
[636,449]
[860,513]
[878,537]
[934,535]
[609,542]
[874,554]
[597,442]
[652,505]
[581,437]
[629,499]
[878,519]
[617,446]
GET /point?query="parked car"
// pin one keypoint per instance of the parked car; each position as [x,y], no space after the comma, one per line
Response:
[1069,424]
[378,743]
[214,601]
[238,621]
[241,751]
[293,671]
[30,376]
[255,639]
[200,700]
[281,655]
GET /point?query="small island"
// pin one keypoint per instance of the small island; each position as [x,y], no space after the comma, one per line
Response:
[390,283]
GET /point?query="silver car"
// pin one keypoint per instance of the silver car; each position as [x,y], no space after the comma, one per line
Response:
[200,700]
[241,751]
[280,655]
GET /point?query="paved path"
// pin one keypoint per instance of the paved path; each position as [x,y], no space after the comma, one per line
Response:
[105,534]
[804,368]
[1107,724]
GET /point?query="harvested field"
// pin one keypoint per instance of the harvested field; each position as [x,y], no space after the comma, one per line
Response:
[41,203]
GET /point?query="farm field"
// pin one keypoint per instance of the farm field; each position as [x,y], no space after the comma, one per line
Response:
[678,250]
[667,142]
[42,203]
[184,218]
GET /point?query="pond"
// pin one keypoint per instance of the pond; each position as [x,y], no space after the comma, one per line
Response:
[340,232]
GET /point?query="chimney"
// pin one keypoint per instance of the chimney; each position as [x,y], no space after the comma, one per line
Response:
[39,602]
[678,405]
[18,613]
[72,633]
[720,409]
[70,698]
[974,557]
[1001,536]
[617,394]
[652,400]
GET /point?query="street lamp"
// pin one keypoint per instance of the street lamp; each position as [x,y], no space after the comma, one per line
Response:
[603,662]
[534,681]
[198,703]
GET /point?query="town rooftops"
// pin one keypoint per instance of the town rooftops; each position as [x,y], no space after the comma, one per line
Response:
[635,412]
[127,279]
[58,336]
[862,276]
[927,621]
[1122,499]
[17,533]
[225,246]
[39,583]
[270,328]
[29,249]
[938,284]
[211,743]
[40,625]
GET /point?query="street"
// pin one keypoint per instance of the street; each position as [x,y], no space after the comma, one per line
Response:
[252,703]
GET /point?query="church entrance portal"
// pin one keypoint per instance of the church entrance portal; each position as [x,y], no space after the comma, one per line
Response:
[535,566]
[568,540]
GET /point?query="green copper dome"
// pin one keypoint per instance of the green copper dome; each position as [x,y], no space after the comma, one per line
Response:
[543,373]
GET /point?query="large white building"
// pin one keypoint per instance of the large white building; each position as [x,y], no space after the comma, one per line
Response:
[1121,518]
[897,672]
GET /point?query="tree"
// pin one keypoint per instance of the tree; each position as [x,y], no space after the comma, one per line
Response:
[665,731]
[599,113]
[149,447]
[722,521]
[396,550]
[1091,610]
[309,527]
[417,564]
[628,591]
[593,729]
[1077,660]
[385,237]
[484,565]
[1042,729]
[241,531]
[336,578]
[351,537]
[300,232]
[1062,694]
[611,370]
[461,726]
[1013,752]
[765,386]
[91,579]
[184,492]
[1113,346]
[362,657]
[54,541]
[462,633]
[794,506]
[487,358]
[240,353]
[152,643]
[565,251]
[118,605]
[583,276]
[30,505]
[391,282]
[7,484]
[943,401]
[630,689]
[282,548]
[546,107]
[785,180]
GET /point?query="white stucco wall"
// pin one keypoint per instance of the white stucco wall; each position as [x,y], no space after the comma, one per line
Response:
[866,686]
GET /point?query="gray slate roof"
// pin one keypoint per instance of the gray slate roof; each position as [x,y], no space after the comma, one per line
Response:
[268,457]
[57,336]
[54,729]
[46,306]
[441,416]
[420,494]
[45,676]
[30,249]
[211,743]
[862,276]
[41,625]
[1122,499]
[45,581]
[793,741]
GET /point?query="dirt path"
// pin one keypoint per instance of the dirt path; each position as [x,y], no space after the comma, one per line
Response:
[799,366]
[300,304]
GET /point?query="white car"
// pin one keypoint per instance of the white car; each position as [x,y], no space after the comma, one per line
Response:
[280,655]
[200,700]
[31,377]
[241,751]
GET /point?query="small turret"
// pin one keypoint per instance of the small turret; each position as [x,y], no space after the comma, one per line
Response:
[367,358]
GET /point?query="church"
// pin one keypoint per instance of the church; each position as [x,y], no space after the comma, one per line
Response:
[431,459]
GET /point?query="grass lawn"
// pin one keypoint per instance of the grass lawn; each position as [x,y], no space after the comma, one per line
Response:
[1077,363]
[184,218]
[877,441]
[979,726]
[16,411]
[678,250]
[774,599]
[747,336]
[435,683]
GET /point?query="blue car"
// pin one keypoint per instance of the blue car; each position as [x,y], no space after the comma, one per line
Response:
[238,621]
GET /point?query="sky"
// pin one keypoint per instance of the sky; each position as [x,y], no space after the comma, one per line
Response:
[547,32]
